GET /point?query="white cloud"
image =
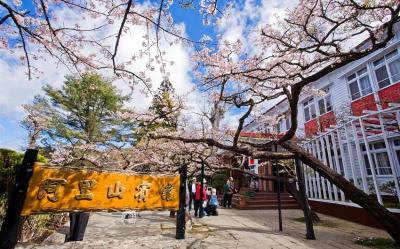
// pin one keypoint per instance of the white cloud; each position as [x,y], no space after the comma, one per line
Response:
[271,9]
[244,21]
[16,89]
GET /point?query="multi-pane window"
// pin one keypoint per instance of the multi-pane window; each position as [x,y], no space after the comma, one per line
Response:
[387,69]
[325,104]
[283,124]
[309,110]
[380,159]
[279,126]
[359,84]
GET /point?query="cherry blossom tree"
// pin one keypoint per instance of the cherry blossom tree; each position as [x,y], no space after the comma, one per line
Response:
[314,39]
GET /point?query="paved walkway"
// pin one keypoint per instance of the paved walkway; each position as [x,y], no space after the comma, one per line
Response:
[231,229]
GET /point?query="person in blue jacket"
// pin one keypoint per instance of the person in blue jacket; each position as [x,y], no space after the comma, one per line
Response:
[211,208]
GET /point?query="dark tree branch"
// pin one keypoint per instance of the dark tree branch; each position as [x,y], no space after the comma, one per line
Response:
[159,18]
[239,150]
[4,18]
[128,7]
[241,122]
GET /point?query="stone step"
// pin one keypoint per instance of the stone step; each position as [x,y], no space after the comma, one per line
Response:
[257,202]
[270,193]
[265,207]
[266,200]
[267,197]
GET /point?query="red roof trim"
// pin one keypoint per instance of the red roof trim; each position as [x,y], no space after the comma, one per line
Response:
[260,135]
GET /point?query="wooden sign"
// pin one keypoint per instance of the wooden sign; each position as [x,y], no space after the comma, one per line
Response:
[64,190]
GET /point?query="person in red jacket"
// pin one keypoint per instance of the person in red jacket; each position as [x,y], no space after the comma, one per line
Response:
[197,201]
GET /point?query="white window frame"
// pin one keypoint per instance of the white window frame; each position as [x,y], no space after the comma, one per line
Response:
[374,153]
[385,61]
[359,74]
[283,123]
[324,100]
[307,105]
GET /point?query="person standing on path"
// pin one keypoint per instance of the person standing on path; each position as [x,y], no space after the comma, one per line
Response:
[197,201]
[229,189]
[225,197]
[211,208]
[192,193]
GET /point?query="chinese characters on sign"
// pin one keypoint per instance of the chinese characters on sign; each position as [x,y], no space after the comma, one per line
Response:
[143,191]
[116,191]
[63,190]
[85,186]
[50,188]
[166,192]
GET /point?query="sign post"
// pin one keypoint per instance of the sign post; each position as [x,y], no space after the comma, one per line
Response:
[180,218]
[77,226]
[201,209]
[279,190]
[11,223]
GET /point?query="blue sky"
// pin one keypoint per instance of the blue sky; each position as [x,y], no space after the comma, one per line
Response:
[15,89]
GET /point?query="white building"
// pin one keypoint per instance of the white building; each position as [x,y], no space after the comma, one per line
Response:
[353,128]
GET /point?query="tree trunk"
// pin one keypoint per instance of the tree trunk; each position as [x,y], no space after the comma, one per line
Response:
[310,216]
[388,221]
[292,190]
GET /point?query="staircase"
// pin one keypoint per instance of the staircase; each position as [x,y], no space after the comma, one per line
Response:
[265,200]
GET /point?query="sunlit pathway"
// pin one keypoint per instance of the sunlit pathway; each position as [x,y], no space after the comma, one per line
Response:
[259,229]
[231,229]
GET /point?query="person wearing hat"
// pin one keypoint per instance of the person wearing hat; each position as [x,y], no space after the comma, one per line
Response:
[192,192]
[197,201]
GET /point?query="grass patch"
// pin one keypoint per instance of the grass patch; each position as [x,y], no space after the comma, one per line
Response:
[391,205]
[322,223]
[378,243]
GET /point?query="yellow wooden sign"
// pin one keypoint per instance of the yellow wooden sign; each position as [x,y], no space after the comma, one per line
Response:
[61,190]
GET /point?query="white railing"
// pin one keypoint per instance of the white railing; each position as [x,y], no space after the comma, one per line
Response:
[365,150]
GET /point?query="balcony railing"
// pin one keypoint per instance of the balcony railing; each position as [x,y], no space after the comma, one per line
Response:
[365,150]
